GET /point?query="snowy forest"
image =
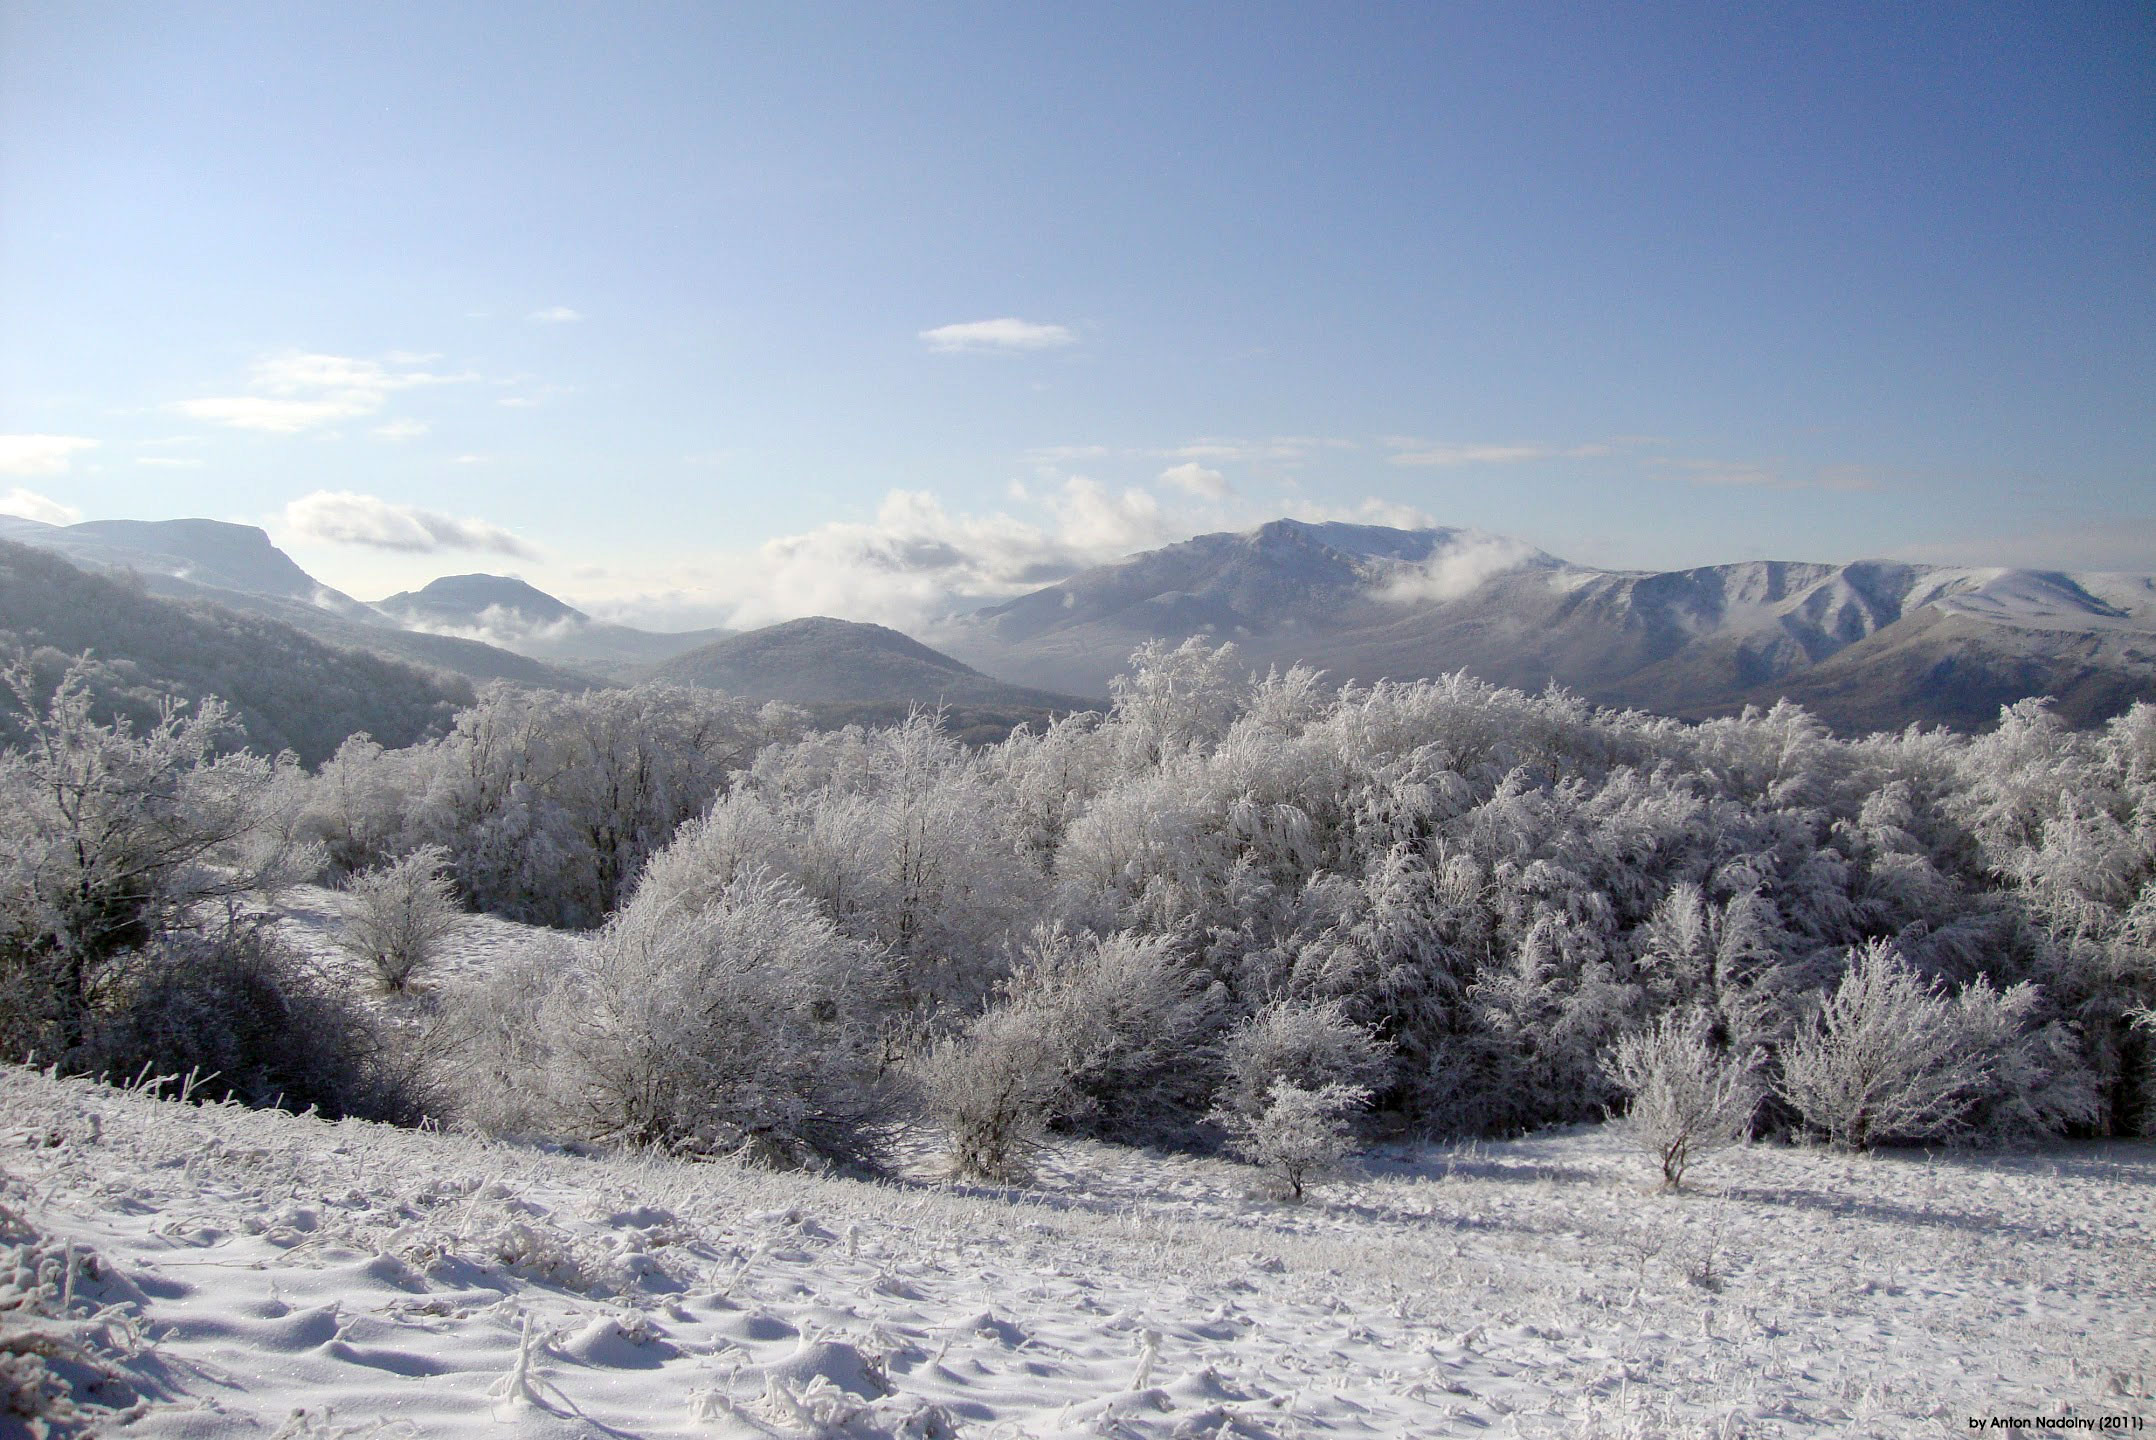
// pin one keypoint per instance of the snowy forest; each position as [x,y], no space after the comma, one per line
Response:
[1235,912]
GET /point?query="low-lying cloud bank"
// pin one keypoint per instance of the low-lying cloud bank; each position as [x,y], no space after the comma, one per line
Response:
[917,563]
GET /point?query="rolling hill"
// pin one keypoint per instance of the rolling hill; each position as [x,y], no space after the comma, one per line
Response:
[824,661]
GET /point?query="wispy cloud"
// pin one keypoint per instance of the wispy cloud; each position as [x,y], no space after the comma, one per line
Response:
[1443,454]
[555,315]
[40,454]
[170,462]
[1006,334]
[29,505]
[1371,511]
[340,517]
[402,430]
[297,391]
[2115,542]
[1195,479]
[1278,450]
[1735,476]
[1067,454]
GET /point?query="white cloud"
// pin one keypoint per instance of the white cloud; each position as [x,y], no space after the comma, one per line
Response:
[29,505]
[1372,511]
[909,566]
[1440,454]
[402,429]
[170,462]
[1460,565]
[340,517]
[517,402]
[40,454]
[1005,334]
[555,315]
[1195,479]
[299,390]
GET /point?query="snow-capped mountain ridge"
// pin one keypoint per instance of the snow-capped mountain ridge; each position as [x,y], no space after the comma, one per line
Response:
[1368,602]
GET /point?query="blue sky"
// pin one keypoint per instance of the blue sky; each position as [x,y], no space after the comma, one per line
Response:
[727,313]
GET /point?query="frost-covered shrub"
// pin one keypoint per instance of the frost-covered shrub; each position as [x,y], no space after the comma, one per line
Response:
[994,1089]
[1095,1033]
[1886,1058]
[1313,1047]
[488,1044]
[1124,1018]
[749,1026]
[894,836]
[1298,1134]
[396,917]
[2034,1083]
[250,1021]
[1688,1099]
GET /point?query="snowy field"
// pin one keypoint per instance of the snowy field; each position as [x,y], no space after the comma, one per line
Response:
[240,1273]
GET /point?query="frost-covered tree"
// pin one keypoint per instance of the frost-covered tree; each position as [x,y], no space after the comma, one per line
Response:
[550,804]
[395,918]
[106,839]
[360,804]
[1297,1133]
[1884,1059]
[1687,1099]
[1173,699]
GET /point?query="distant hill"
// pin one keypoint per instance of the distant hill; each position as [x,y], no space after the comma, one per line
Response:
[237,567]
[290,690]
[467,599]
[503,611]
[208,553]
[1869,645]
[823,661]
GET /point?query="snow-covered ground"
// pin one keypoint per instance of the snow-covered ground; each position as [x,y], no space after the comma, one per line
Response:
[244,1273]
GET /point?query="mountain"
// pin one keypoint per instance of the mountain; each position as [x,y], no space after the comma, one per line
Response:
[824,661]
[211,554]
[1874,644]
[238,568]
[290,690]
[506,612]
[468,599]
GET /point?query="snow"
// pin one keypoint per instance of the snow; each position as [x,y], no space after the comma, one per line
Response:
[247,1273]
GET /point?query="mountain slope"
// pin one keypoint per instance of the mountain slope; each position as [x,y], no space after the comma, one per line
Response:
[236,567]
[506,612]
[209,553]
[290,690]
[1862,642]
[824,661]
